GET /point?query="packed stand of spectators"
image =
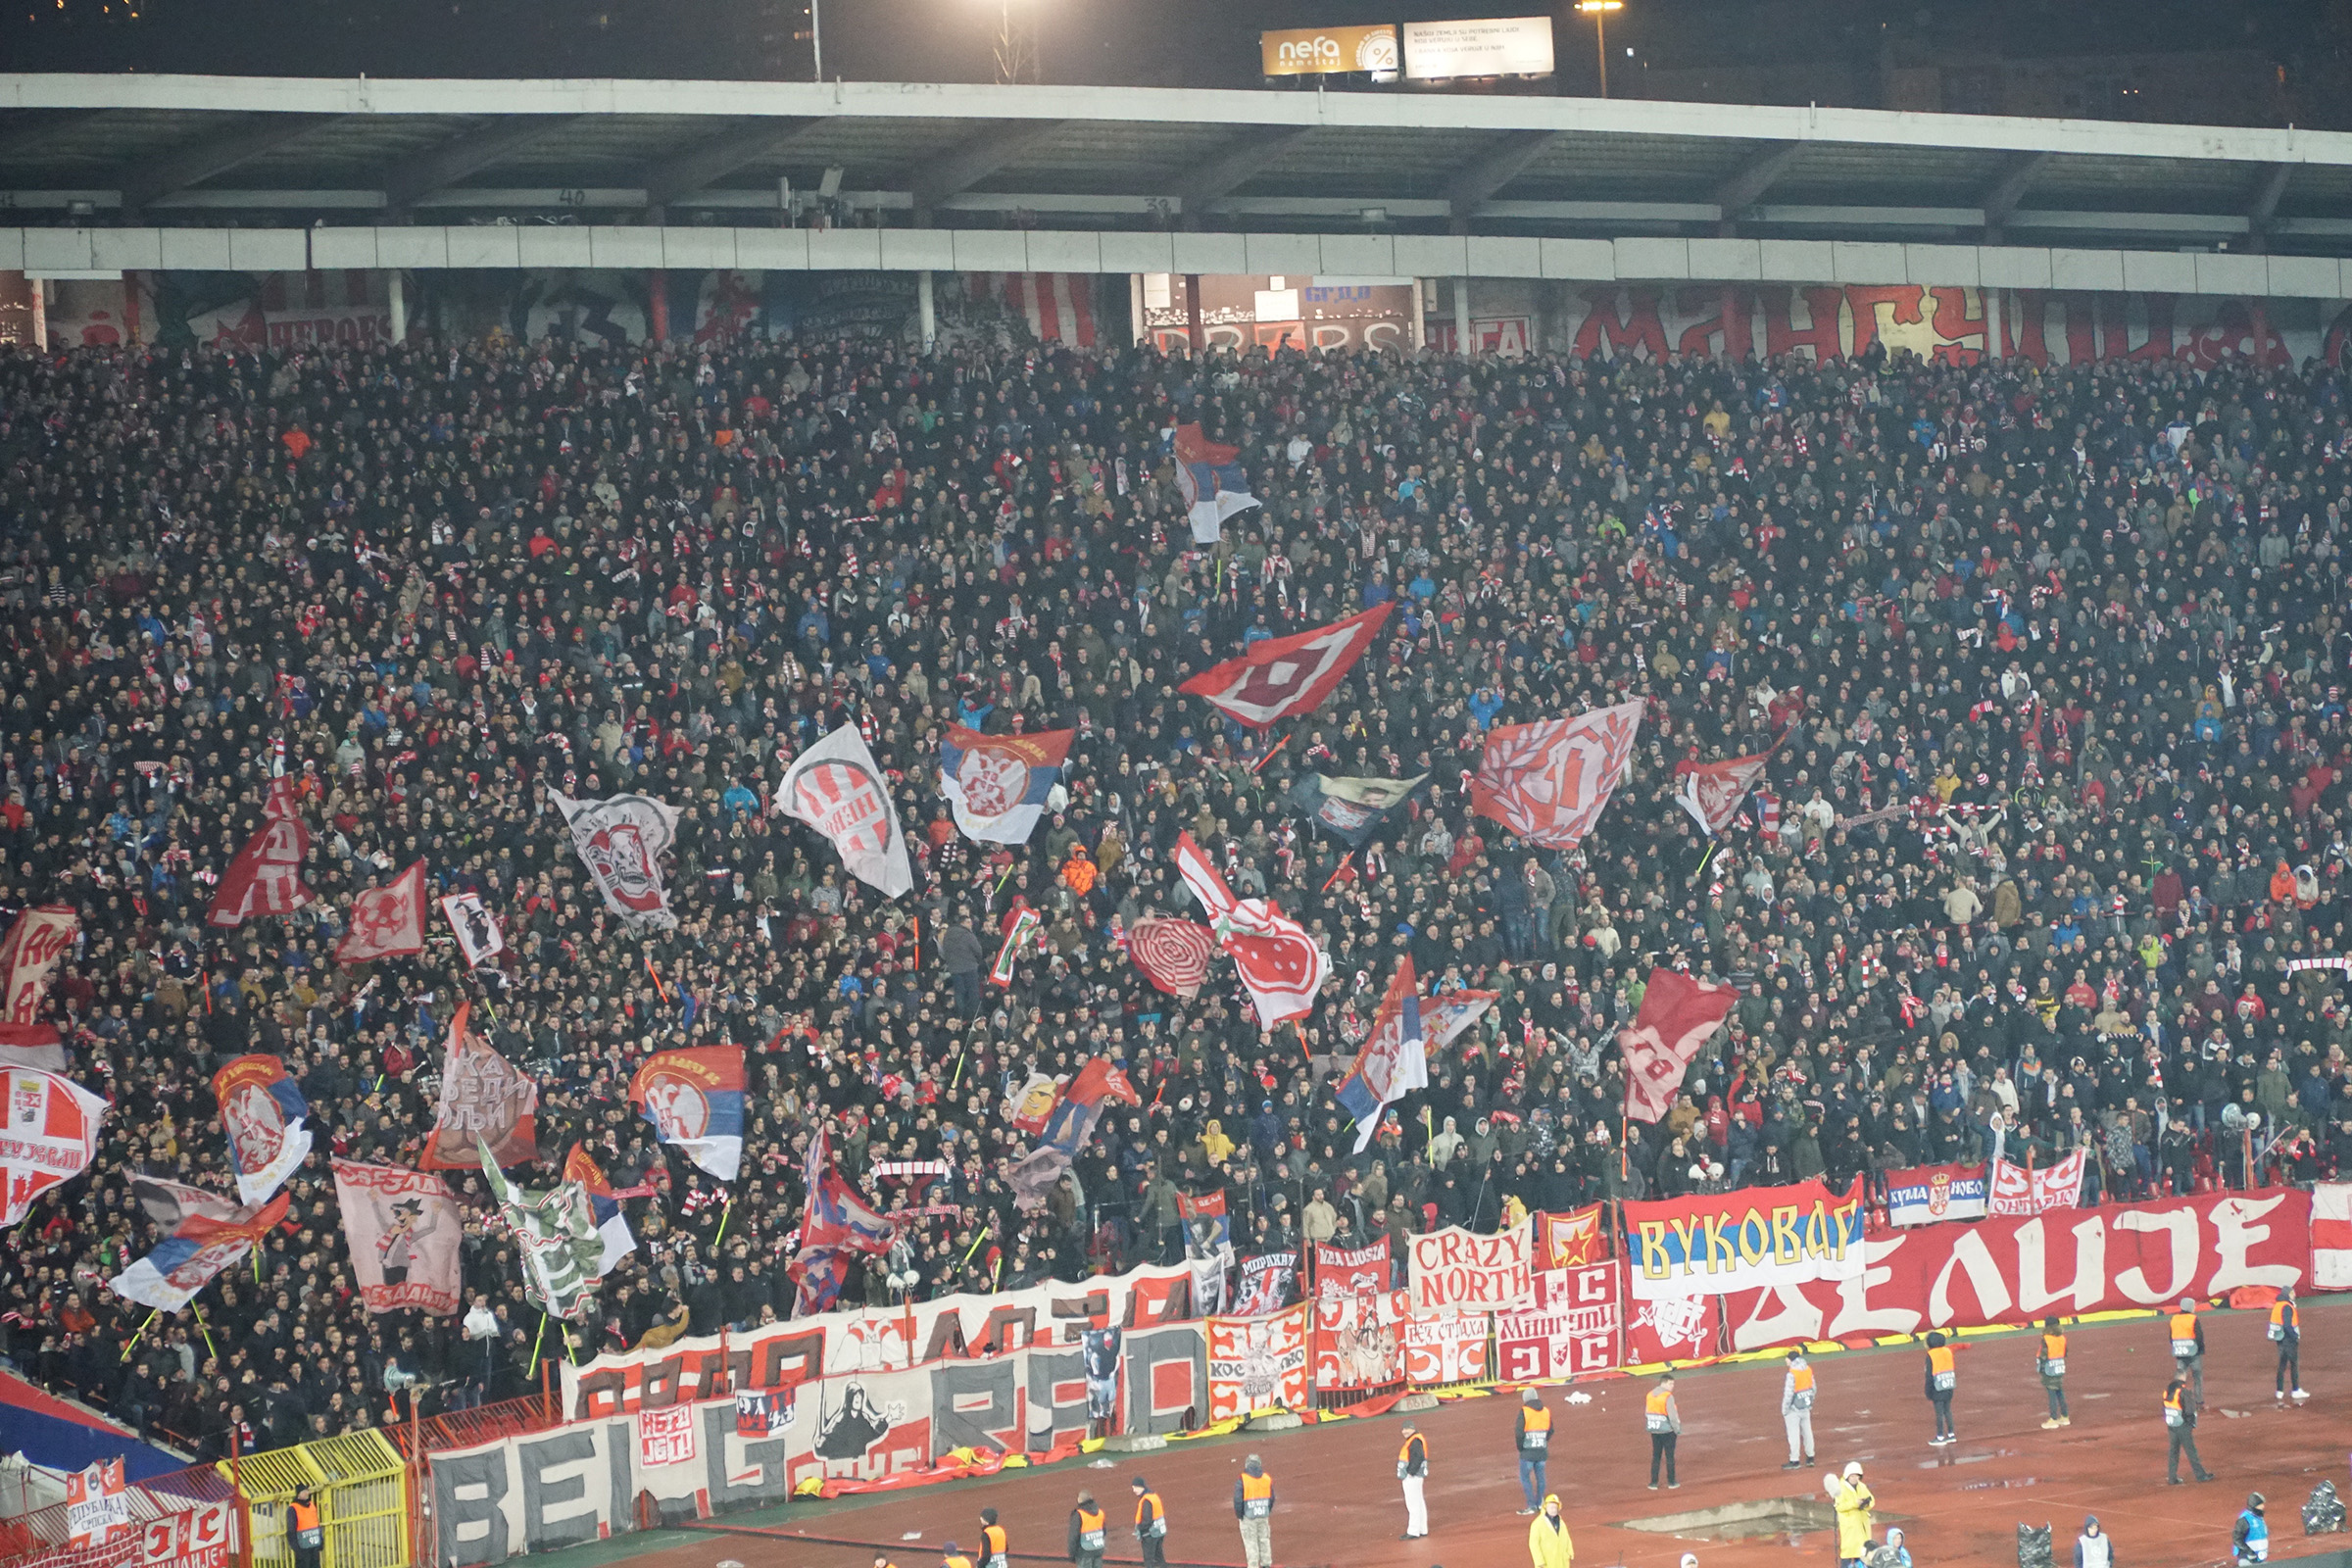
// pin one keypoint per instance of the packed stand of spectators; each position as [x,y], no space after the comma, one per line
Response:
[2053,660]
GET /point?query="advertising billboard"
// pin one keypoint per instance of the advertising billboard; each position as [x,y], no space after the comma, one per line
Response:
[1317,51]
[1509,46]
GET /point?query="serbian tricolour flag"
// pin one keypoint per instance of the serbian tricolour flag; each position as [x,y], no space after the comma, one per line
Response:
[997,784]
[694,1099]
[1282,677]
[262,1112]
[1210,473]
[1394,1061]
[197,1247]
[1712,792]
[612,1222]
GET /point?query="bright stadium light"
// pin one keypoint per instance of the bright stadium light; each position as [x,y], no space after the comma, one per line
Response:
[1599,10]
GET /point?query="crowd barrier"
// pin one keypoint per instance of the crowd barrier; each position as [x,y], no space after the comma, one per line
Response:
[968,1385]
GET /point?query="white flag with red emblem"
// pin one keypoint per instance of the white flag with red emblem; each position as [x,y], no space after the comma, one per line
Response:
[1284,676]
[1678,1016]
[265,877]
[1281,964]
[387,921]
[1548,782]
[1712,792]
[836,787]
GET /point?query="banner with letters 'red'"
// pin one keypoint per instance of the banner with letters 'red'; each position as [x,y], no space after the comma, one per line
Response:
[1258,1363]
[1460,1268]
[2126,1256]
[1755,1238]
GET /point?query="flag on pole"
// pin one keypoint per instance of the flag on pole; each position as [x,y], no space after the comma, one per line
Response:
[1394,1059]
[621,841]
[1215,485]
[266,876]
[483,1098]
[1282,966]
[997,785]
[1678,1016]
[604,1206]
[1280,677]
[405,1231]
[261,1113]
[1025,924]
[837,788]
[1712,792]
[694,1099]
[388,921]
[195,1250]
[555,1230]
[1548,782]
[48,1136]
[36,942]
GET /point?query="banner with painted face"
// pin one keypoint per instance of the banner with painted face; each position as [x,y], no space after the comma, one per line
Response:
[621,841]
[1708,1244]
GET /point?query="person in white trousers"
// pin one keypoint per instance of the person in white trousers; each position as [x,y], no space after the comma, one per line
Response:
[1796,1409]
[1412,1471]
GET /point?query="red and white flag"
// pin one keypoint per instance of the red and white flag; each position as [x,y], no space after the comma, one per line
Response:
[1677,1015]
[387,921]
[1548,782]
[1173,954]
[1284,677]
[1281,964]
[2018,1192]
[27,959]
[265,877]
[1712,794]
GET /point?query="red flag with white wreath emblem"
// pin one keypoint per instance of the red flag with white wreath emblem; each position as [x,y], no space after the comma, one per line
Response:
[387,921]
[1677,1015]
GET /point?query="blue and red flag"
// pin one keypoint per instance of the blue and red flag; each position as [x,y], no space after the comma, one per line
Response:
[1215,488]
[262,1112]
[997,785]
[1395,1057]
[604,1204]
[694,1099]
[838,1217]
[196,1248]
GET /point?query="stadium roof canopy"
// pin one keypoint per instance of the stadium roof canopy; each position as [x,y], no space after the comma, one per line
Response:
[100,151]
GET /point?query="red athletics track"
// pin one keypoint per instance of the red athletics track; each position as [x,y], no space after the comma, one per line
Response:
[1337,1500]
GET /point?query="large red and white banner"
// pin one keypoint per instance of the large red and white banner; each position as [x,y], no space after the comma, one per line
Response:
[1572,1329]
[1447,1349]
[2018,1271]
[1258,1363]
[1460,1268]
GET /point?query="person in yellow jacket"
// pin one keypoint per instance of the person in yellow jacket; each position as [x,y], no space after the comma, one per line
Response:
[1851,1493]
[1547,1540]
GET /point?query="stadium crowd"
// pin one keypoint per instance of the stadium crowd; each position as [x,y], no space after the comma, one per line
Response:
[2054,661]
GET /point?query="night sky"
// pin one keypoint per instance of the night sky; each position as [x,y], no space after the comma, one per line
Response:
[1178,44]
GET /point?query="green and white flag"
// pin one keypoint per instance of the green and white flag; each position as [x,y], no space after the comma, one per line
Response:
[561,1252]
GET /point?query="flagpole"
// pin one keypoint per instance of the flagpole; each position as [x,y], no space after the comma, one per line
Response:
[537,1341]
[142,1333]
[208,1332]
[727,1215]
